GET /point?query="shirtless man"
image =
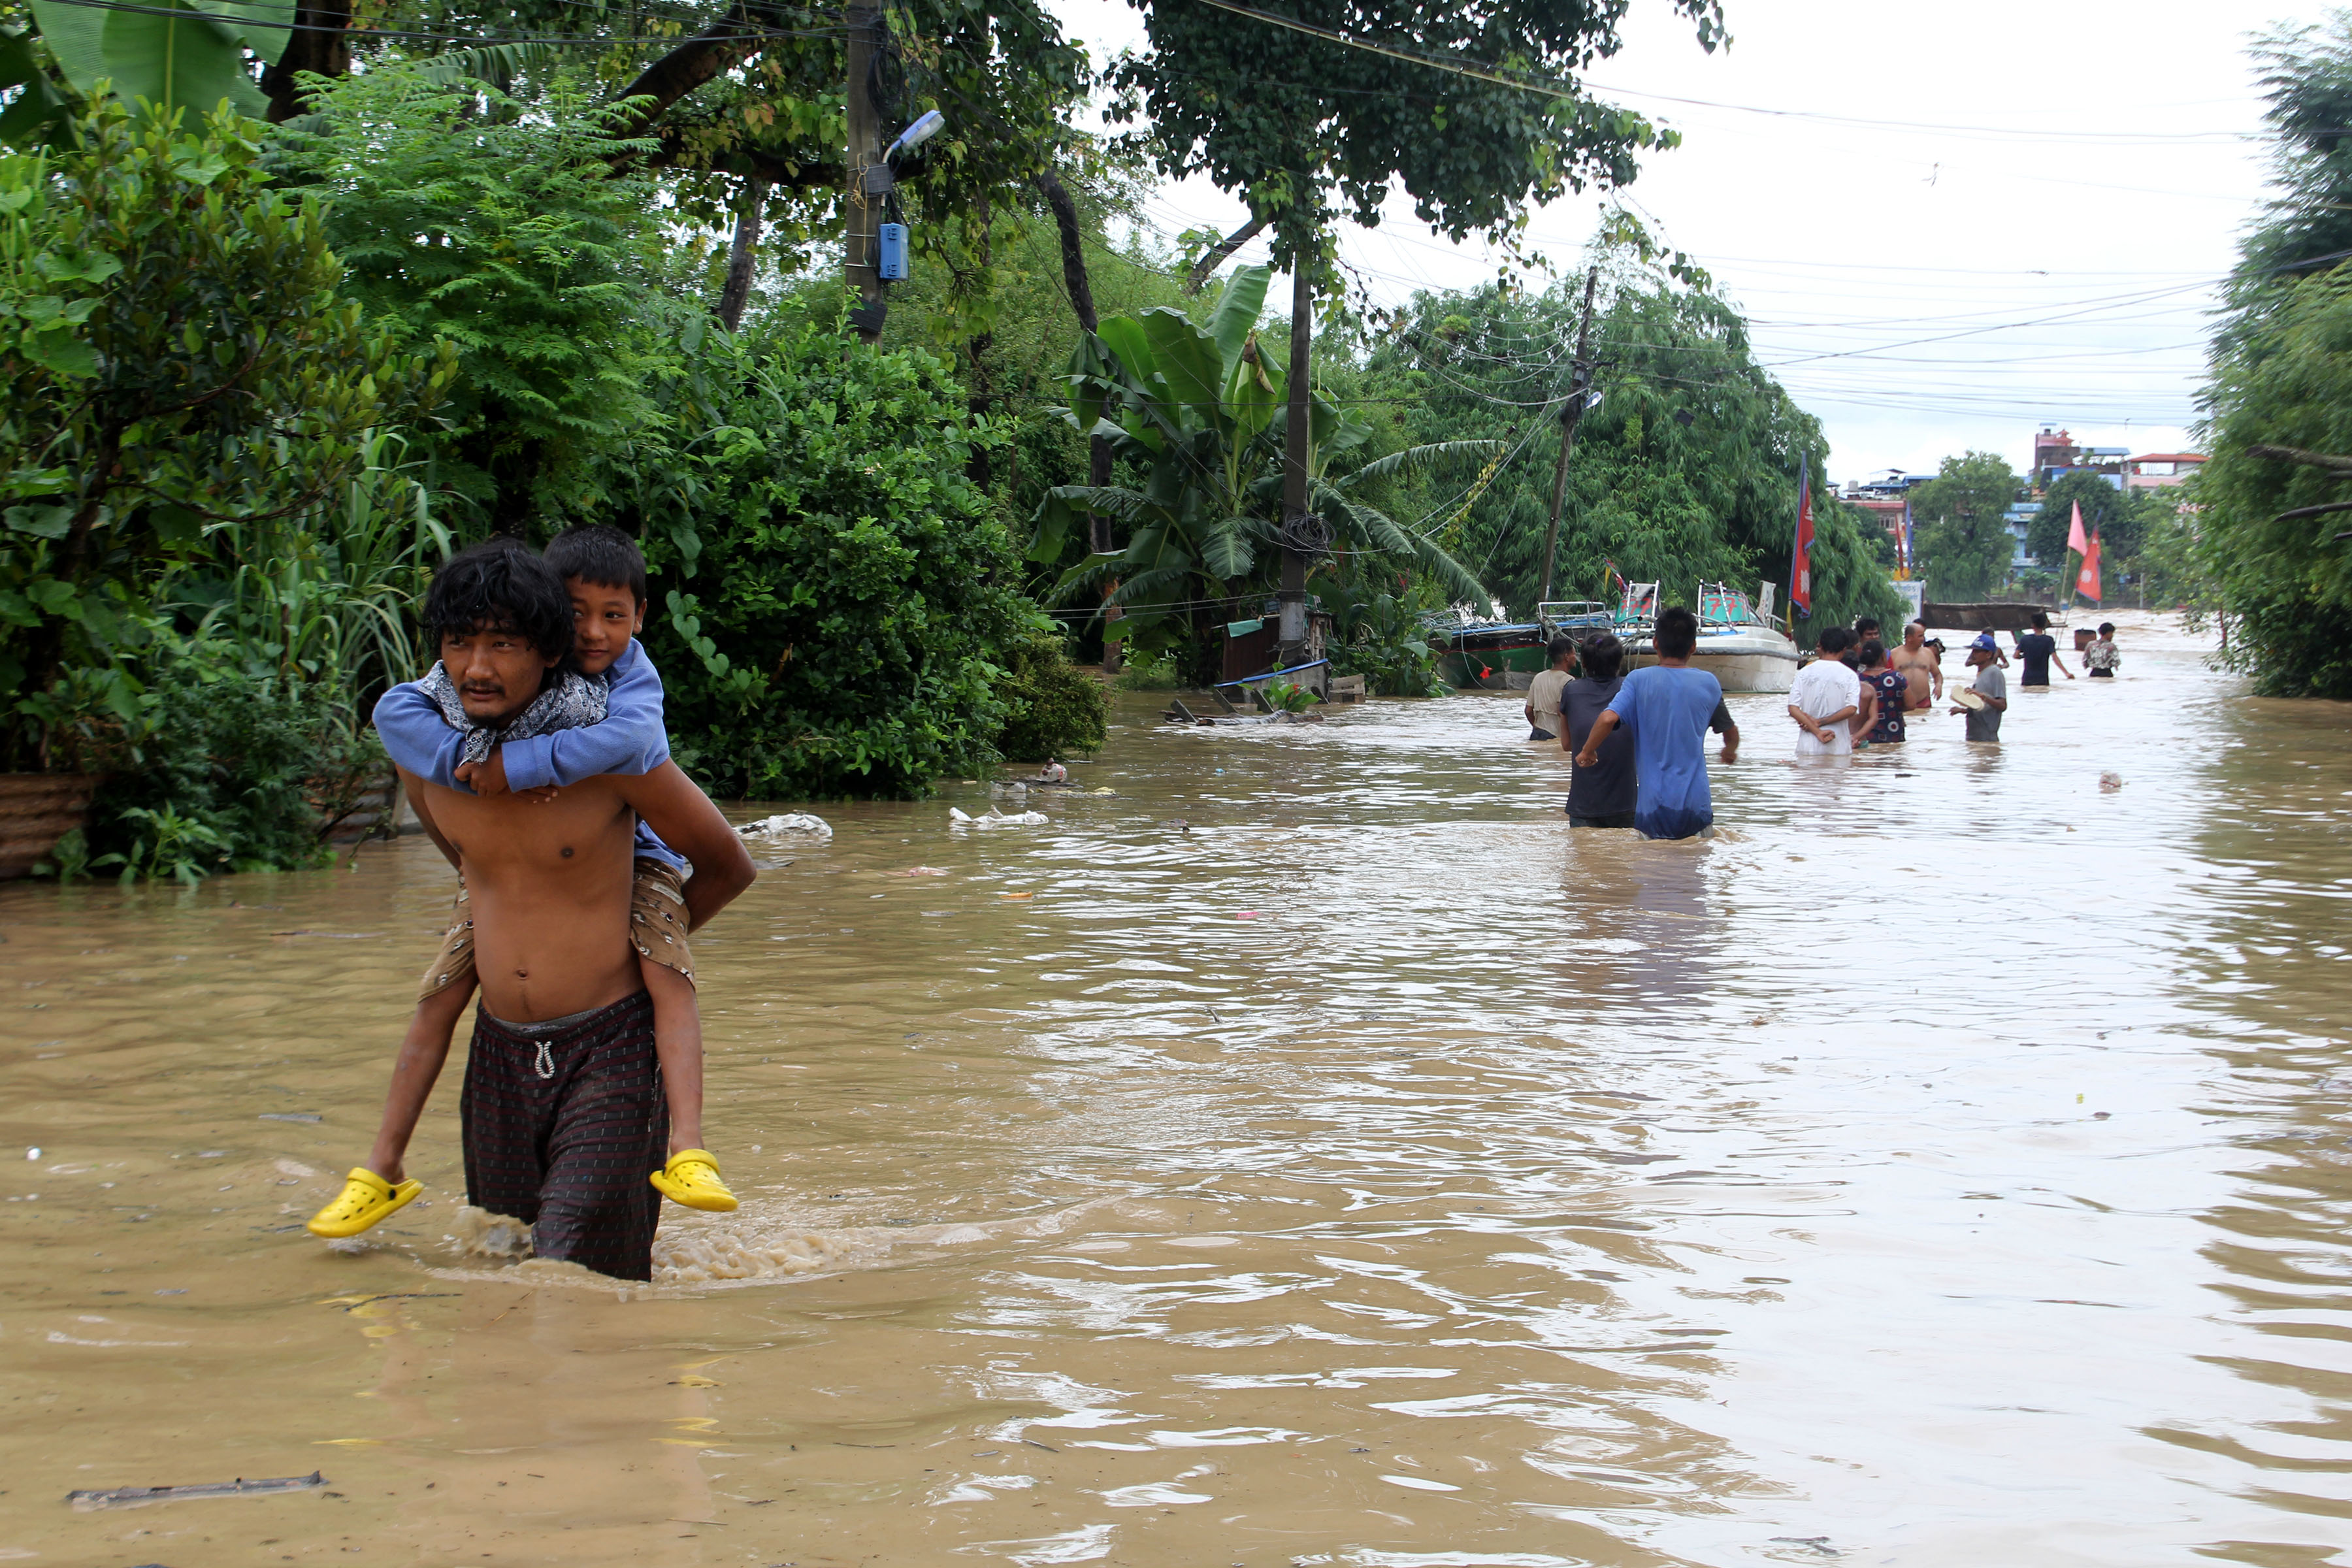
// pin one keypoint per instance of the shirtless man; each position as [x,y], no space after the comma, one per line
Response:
[1921,668]
[562,1111]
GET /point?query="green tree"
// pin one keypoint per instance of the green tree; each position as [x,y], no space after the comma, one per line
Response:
[1960,528]
[1303,120]
[465,214]
[2105,510]
[2266,528]
[1685,471]
[2283,579]
[1193,411]
[2307,75]
[173,361]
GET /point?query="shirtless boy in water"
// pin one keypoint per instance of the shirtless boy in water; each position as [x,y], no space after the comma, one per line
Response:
[564,1110]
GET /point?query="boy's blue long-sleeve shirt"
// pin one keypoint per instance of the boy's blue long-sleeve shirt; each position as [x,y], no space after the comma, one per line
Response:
[632,738]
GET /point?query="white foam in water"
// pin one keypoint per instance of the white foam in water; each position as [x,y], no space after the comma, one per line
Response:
[477,1233]
[741,1248]
[746,1248]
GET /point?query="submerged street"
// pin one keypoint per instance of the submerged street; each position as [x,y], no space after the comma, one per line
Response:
[1308,1152]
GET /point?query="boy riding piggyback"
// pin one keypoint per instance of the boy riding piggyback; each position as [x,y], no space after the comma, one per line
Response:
[611,722]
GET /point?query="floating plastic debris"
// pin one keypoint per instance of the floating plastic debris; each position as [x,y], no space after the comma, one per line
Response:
[957,818]
[135,1497]
[788,822]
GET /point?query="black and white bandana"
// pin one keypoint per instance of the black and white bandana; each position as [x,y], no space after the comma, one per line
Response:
[568,701]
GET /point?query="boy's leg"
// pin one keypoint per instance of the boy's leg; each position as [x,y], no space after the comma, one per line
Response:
[377,1189]
[421,1053]
[658,930]
[678,1042]
[441,997]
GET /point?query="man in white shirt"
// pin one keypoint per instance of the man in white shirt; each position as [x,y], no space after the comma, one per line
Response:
[1543,692]
[1824,696]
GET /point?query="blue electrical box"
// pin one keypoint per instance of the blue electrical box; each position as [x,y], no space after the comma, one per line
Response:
[892,245]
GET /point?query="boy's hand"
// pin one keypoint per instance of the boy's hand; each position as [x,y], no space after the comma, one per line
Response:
[486,777]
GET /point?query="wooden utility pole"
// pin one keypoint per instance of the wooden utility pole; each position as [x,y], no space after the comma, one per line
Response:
[1291,633]
[1579,384]
[869,176]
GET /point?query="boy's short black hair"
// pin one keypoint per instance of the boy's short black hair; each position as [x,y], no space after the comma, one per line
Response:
[1836,639]
[499,585]
[1603,656]
[595,553]
[1675,632]
[2106,628]
[1865,627]
[1559,647]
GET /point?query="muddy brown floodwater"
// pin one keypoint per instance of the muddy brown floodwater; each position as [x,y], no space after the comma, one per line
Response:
[1309,1152]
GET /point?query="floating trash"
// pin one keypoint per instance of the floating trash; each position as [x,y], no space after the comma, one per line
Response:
[789,822]
[957,818]
[136,1497]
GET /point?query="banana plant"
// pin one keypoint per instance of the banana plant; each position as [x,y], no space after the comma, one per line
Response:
[1197,411]
[170,54]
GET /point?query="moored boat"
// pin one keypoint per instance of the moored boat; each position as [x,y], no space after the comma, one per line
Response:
[1504,656]
[1741,647]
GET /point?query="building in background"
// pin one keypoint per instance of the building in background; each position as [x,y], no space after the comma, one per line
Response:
[1882,496]
[2154,471]
[2056,455]
[2017,519]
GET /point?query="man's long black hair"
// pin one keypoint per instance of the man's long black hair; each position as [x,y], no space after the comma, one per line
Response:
[498,585]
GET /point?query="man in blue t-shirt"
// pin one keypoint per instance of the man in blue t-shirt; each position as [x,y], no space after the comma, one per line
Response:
[1669,709]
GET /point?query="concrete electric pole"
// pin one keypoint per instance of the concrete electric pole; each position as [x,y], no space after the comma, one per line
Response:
[869,175]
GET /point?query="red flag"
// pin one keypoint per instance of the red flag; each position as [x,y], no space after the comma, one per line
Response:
[2074,542]
[2087,580]
[1800,564]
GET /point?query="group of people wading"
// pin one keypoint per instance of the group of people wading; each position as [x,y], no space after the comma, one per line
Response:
[1638,741]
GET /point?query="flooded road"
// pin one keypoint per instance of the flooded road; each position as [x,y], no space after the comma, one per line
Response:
[1310,1152]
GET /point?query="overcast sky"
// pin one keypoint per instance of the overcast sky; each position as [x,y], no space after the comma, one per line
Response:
[1947,223]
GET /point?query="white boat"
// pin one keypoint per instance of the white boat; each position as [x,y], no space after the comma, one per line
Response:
[1740,646]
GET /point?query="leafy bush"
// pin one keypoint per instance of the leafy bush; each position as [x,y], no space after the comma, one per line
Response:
[233,771]
[832,595]
[1051,706]
[172,361]
[1379,636]
[1151,672]
[462,214]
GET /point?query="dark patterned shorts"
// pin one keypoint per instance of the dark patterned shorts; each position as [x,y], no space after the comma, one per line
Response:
[563,1129]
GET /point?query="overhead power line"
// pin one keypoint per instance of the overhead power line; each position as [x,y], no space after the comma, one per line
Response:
[1556,87]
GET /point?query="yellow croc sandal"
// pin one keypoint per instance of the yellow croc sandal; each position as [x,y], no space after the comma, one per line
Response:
[692,1178]
[366,1198]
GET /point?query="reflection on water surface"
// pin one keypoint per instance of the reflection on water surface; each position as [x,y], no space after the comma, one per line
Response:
[1327,1159]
